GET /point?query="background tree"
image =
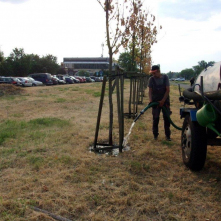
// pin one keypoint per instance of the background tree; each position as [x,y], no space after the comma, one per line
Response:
[125,61]
[187,73]
[83,73]
[61,71]
[20,64]
[201,65]
[1,56]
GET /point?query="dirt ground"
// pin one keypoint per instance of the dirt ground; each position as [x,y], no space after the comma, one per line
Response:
[45,136]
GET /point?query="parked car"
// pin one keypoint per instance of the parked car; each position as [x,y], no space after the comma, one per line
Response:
[45,78]
[59,80]
[96,79]
[10,80]
[101,78]
[25,82]
[84,79]
[93,77]
[68,80]
[80,79]
[54,80]
[34,82]
[180,79]
[61,77]
[75,79]
[88,79]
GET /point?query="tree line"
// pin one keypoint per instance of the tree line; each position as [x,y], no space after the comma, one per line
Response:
[18,63]
[188,73]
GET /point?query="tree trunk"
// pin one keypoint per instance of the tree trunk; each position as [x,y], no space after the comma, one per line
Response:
[110,73]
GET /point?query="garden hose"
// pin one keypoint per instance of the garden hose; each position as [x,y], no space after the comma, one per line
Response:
[164,110]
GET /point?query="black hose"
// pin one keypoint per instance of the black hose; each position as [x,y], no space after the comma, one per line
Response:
[165,111]
[168,116]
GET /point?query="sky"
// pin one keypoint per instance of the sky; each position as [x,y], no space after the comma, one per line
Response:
[76,28]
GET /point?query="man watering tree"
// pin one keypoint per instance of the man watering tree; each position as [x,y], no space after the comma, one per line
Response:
[159,89]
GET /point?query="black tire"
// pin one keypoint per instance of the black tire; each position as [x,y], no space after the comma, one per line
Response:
[193,144]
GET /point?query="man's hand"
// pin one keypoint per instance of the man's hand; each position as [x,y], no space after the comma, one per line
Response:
[161,103]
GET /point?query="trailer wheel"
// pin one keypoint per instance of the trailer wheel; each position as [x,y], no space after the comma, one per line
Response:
[193,144]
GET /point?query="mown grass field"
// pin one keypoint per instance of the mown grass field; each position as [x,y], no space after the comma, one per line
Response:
[45,135]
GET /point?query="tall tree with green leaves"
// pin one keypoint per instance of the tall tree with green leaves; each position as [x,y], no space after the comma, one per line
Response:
[201,65]
[20,64]
[125,61]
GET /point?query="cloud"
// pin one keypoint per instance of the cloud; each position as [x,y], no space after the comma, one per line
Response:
[14,1]
[199,10]
[218,29]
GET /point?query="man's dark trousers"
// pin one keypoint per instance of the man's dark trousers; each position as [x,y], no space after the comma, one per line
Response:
[156,116]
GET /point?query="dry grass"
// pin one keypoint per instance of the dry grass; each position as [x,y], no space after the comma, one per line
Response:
[8,89]
[45,136]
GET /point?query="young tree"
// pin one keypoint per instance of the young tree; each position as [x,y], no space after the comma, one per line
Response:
[117,18]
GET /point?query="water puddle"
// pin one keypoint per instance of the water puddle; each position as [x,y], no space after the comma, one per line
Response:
[113,151]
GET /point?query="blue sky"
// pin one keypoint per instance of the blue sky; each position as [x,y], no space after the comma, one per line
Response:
[76,28]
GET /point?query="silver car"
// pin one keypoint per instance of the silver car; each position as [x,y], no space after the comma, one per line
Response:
[34,82]
[25,82]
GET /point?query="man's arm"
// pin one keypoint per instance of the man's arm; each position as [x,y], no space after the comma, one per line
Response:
[150,94]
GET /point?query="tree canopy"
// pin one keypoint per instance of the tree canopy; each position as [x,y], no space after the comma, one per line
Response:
[20,64]
[188,73]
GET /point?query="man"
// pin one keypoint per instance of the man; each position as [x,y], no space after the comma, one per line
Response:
[192,81]
[159,89]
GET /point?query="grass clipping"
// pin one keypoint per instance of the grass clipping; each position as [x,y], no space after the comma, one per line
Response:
[9,89]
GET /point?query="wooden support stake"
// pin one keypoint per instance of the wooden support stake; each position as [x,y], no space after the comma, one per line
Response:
[100,110]
[122,112]
[130,97]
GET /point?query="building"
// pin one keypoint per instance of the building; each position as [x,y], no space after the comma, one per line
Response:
[91,65]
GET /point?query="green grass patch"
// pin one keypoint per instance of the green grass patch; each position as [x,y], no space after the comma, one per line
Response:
[9,97]
[168,143]
[64,89]
[75,89]
[97,94]
[93,93]
[18,115]
[48,122]
[12,129]
[60,100]
[7,152]
[67,160]
[36,161]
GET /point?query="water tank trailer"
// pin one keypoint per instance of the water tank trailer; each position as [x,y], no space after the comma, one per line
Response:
[202,117]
